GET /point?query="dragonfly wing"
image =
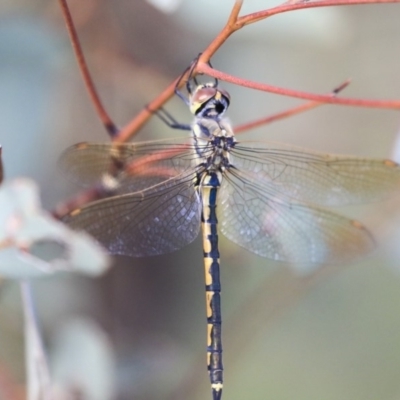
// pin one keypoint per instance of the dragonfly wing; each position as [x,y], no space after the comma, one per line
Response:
[87,163]
[277,228]
[146,223]
[315,177]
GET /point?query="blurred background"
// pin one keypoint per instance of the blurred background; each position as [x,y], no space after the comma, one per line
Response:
[332,335]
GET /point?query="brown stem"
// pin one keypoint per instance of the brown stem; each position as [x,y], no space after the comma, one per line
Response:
[235,23]
[230,27]
[132,127]
[260,15]
[87,79]
[129,130]
[288,113]
[387,104]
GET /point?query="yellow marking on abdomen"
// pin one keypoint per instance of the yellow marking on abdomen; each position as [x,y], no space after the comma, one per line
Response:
[209,296]
[207,266]
[209,331]
[217,386]
[206,233]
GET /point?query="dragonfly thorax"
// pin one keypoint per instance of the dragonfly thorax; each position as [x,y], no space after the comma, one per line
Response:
[213,140]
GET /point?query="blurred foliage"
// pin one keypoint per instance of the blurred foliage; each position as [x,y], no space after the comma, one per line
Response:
[285,337]
[33,244]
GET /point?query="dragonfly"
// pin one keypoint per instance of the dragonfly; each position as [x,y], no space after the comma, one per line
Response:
[268,198]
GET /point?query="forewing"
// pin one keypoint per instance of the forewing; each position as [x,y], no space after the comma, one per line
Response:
[317,178]
[88,163]
[151,222]
[277,228]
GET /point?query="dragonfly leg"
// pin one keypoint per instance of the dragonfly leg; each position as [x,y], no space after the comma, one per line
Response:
[191,78]
[169,120]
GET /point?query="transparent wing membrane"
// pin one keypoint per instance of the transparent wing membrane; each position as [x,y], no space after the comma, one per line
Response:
[317,178]
[151,222]
[282,230]
[267,200]
[87,163]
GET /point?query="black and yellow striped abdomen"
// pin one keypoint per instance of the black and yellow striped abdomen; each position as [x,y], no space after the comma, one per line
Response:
[209,186]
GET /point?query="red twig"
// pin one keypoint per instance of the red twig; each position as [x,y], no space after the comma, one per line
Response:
[235,23]
[288,113]
[136,123]
[90,87]
[260,15]
[387,104]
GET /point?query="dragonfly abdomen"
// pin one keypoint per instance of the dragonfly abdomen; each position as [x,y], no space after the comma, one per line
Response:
[209,188]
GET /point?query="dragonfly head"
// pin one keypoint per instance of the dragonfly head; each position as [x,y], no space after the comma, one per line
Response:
[209,101]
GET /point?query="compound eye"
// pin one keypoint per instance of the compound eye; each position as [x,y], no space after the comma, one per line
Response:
[225,94]
[204,94]
[200,97]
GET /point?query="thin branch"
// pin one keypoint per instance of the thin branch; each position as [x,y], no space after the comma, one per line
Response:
[136,123]
[233,24]
[129,130]
[276,117]
[288,113]
[87,79]
[386,104]
[260,15]
[233,17]
[230,27]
